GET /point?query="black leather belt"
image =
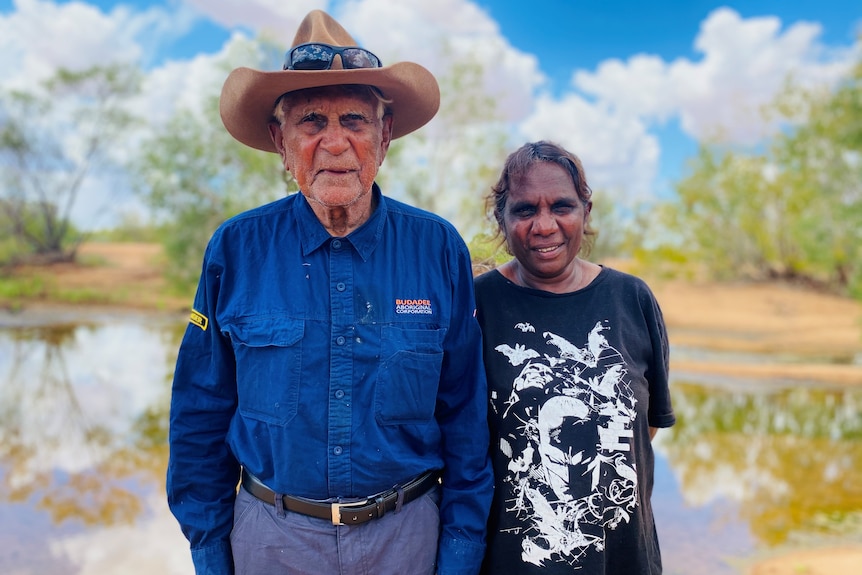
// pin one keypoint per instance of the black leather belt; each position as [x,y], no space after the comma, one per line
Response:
[351,513]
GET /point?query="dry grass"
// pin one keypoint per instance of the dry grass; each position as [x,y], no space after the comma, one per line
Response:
[113,274]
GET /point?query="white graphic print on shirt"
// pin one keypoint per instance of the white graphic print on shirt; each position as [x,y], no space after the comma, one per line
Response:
[566,490]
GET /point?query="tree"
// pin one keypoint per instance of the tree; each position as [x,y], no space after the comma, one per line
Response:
[725,215]
[448,167]
[820,165]
[791,211]
[52,139]
[194,175]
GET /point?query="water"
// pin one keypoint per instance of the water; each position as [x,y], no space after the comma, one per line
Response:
[83,432]
[751,467]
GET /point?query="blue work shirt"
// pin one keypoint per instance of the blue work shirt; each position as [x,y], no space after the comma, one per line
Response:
[331,367]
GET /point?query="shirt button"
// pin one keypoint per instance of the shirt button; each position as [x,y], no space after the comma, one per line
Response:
[337,450]
[340,286]
[336,244]
[340,340]
[339,394]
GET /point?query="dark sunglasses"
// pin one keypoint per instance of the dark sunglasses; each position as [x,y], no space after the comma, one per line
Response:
[319,56]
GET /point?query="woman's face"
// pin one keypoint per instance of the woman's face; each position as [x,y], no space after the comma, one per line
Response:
[544,222]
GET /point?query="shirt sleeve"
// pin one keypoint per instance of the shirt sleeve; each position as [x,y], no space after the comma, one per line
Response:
[462,415]
[202,474]
[660,412]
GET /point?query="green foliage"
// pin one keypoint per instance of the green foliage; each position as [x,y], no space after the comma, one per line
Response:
[727,216]
[448,167]
[792,211]
[26,221]
[619,232]
[821,162]
[487,251]
[51,140]
[15,290]
[131,228]
[194,175]
[12,288]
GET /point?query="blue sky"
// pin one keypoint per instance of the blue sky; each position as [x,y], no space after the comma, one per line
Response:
[629,86]
[583,34]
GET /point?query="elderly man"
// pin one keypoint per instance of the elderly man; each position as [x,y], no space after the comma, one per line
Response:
[332,365]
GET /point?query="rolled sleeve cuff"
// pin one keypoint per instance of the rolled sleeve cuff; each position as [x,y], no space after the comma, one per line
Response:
[459,557]
[216,559]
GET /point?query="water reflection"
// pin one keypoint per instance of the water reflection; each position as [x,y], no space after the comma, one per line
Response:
[83,425]
[785,464]
[83,429]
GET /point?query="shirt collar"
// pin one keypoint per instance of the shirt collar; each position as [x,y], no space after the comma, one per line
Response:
[364,239]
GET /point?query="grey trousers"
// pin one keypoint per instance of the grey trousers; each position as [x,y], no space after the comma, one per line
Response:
[399,543]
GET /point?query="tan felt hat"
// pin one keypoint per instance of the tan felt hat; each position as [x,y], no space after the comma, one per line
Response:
[248,96]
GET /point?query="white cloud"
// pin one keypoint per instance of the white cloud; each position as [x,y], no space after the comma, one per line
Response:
[638,86]
[620,157]
[175,85]
[152,544]
[440,34]
[182,84]
[607,116]
[277,19]
[39,37]
[436,35]
[745,65]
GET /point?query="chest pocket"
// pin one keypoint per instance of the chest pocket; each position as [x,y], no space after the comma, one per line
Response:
[268,365]
[406,391]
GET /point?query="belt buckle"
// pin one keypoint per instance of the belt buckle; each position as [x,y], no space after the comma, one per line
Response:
[336,510]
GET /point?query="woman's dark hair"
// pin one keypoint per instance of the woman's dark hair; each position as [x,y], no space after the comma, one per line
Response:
[519,163]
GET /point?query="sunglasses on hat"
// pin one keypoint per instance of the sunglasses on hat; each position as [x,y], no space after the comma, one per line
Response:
[319,56]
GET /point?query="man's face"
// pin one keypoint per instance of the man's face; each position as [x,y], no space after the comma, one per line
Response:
[333,142]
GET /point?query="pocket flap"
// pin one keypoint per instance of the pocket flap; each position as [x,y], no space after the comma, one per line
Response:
[270,331]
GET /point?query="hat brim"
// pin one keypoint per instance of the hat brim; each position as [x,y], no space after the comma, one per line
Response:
[248,97]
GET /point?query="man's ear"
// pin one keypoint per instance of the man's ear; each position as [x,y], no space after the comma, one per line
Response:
[276,136]
[387,136]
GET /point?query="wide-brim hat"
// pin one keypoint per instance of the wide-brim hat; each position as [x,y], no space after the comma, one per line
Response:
[248,96]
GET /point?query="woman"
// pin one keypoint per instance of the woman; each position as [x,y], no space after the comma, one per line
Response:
[577,362]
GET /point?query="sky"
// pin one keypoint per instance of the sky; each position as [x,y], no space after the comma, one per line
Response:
[629,86]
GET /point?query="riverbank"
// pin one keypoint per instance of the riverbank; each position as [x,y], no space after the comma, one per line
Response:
[118,275]
[797,334]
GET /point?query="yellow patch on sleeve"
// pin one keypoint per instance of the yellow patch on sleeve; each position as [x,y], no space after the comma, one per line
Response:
[199,319]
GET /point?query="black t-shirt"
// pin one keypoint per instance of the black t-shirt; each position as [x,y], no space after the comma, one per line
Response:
[575,382]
